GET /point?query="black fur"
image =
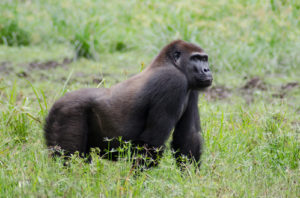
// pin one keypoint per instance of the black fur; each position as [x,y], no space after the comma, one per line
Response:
[143,109]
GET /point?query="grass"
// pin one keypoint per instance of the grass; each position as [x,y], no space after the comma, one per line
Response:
[11,34]
[252,144]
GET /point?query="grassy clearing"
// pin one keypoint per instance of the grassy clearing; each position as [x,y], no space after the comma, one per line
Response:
[251,127]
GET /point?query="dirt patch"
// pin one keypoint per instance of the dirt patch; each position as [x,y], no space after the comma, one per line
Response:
[217,92]
[5,67]
[290,85]
[51,64]
[67,61]
[85,78]
[43,65]
[249,90]
[279,95]
[22,74]
[221,92]
[97,80]
[255,83]
[88,78]
[284,89]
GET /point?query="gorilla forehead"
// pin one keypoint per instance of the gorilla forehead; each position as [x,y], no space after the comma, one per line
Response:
[180,45]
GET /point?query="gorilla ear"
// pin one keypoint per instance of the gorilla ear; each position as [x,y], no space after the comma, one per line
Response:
[176,57]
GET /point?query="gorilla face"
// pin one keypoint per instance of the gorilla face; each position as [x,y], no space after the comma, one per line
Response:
[198,71]
[193,62]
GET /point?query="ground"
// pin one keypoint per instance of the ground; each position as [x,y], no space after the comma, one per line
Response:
[250,116]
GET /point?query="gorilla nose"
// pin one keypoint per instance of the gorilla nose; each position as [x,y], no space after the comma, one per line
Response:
[205,70]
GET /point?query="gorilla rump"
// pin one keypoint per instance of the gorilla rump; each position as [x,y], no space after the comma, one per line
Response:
[143,109]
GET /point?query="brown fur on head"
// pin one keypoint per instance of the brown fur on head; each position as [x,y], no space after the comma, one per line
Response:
[189,59]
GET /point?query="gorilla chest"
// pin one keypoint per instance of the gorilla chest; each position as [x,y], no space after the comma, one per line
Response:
[184,105]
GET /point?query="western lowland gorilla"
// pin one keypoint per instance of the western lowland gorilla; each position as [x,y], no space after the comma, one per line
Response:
[142,110]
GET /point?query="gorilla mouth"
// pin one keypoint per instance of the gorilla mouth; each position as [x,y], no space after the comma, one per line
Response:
[207,82]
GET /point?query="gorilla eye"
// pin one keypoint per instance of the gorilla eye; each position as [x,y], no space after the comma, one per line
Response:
[176,55]
[199,57]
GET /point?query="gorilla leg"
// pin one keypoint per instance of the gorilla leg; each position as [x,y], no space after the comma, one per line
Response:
[188,149]
[67,132]
[146,156]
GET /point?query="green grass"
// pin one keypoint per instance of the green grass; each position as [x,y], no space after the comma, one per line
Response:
[11,34]
[252,143]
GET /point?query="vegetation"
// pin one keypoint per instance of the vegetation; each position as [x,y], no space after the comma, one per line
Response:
[250,117]
[11,34]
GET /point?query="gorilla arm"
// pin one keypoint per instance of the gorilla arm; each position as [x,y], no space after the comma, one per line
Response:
[167,91]
[187,138]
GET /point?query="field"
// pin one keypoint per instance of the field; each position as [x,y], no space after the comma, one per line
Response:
[250,116]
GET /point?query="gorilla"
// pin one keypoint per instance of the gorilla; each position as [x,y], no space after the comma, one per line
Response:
[142,110]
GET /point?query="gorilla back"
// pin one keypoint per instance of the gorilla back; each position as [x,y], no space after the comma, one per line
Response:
[143,109]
